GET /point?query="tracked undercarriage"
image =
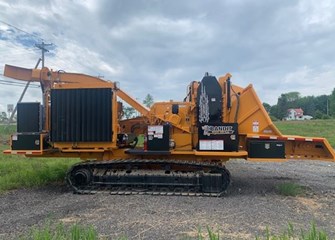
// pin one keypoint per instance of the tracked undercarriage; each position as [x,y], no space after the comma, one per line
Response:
[154,177]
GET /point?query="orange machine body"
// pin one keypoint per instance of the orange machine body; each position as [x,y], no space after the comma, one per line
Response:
[241,111]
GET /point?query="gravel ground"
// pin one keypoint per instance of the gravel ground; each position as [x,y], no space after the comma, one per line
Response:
[251,204]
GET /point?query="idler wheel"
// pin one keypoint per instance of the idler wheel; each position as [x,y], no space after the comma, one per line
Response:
[82,177]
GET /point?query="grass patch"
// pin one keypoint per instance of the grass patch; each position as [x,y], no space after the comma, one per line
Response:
[17,171]
[210,234]
[290,189]
[5,132]
[313,128]
[20,172]
[313,233]
[60,232]
[78,232]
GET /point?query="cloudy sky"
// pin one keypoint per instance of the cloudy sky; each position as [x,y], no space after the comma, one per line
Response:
[158,47]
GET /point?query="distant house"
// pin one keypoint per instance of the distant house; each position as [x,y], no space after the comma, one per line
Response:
[296,114]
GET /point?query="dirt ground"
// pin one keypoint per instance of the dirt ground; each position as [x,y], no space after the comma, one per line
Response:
[251,203]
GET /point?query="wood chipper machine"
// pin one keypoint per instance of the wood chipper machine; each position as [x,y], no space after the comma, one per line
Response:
[170,148]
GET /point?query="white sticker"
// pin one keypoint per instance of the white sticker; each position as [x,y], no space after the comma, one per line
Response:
[155,129]
[217,145]
[159,129]
[205,145]
[267,131]
[14,137]
[255,126]
[211,145]
[151,128]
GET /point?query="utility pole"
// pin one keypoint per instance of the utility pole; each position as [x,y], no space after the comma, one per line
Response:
[42,47]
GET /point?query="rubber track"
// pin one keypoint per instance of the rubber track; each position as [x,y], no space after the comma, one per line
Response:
[101,165]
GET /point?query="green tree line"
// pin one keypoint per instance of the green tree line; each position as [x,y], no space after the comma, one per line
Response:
[319,107]
[130,112]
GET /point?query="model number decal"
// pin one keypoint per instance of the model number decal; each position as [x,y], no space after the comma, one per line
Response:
[217,130]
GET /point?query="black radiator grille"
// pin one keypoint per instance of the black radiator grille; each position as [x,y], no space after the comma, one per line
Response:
[81,115]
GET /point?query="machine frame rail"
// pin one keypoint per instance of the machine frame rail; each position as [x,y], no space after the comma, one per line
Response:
[149,177]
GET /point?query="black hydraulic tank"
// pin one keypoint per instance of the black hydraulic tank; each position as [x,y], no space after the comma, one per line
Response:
[28,117]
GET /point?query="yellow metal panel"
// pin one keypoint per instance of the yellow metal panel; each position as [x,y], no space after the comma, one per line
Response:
[18,73]
[252,117]
[183,141]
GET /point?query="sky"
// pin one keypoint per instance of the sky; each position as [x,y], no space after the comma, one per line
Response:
[159,47]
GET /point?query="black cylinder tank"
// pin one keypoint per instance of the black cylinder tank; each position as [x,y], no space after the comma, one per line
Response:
[209,101]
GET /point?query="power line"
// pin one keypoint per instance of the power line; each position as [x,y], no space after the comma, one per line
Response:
[9,81]
[19,29]
[15,85]
[4,82]
[22,49]
[14,82]
[41,46]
